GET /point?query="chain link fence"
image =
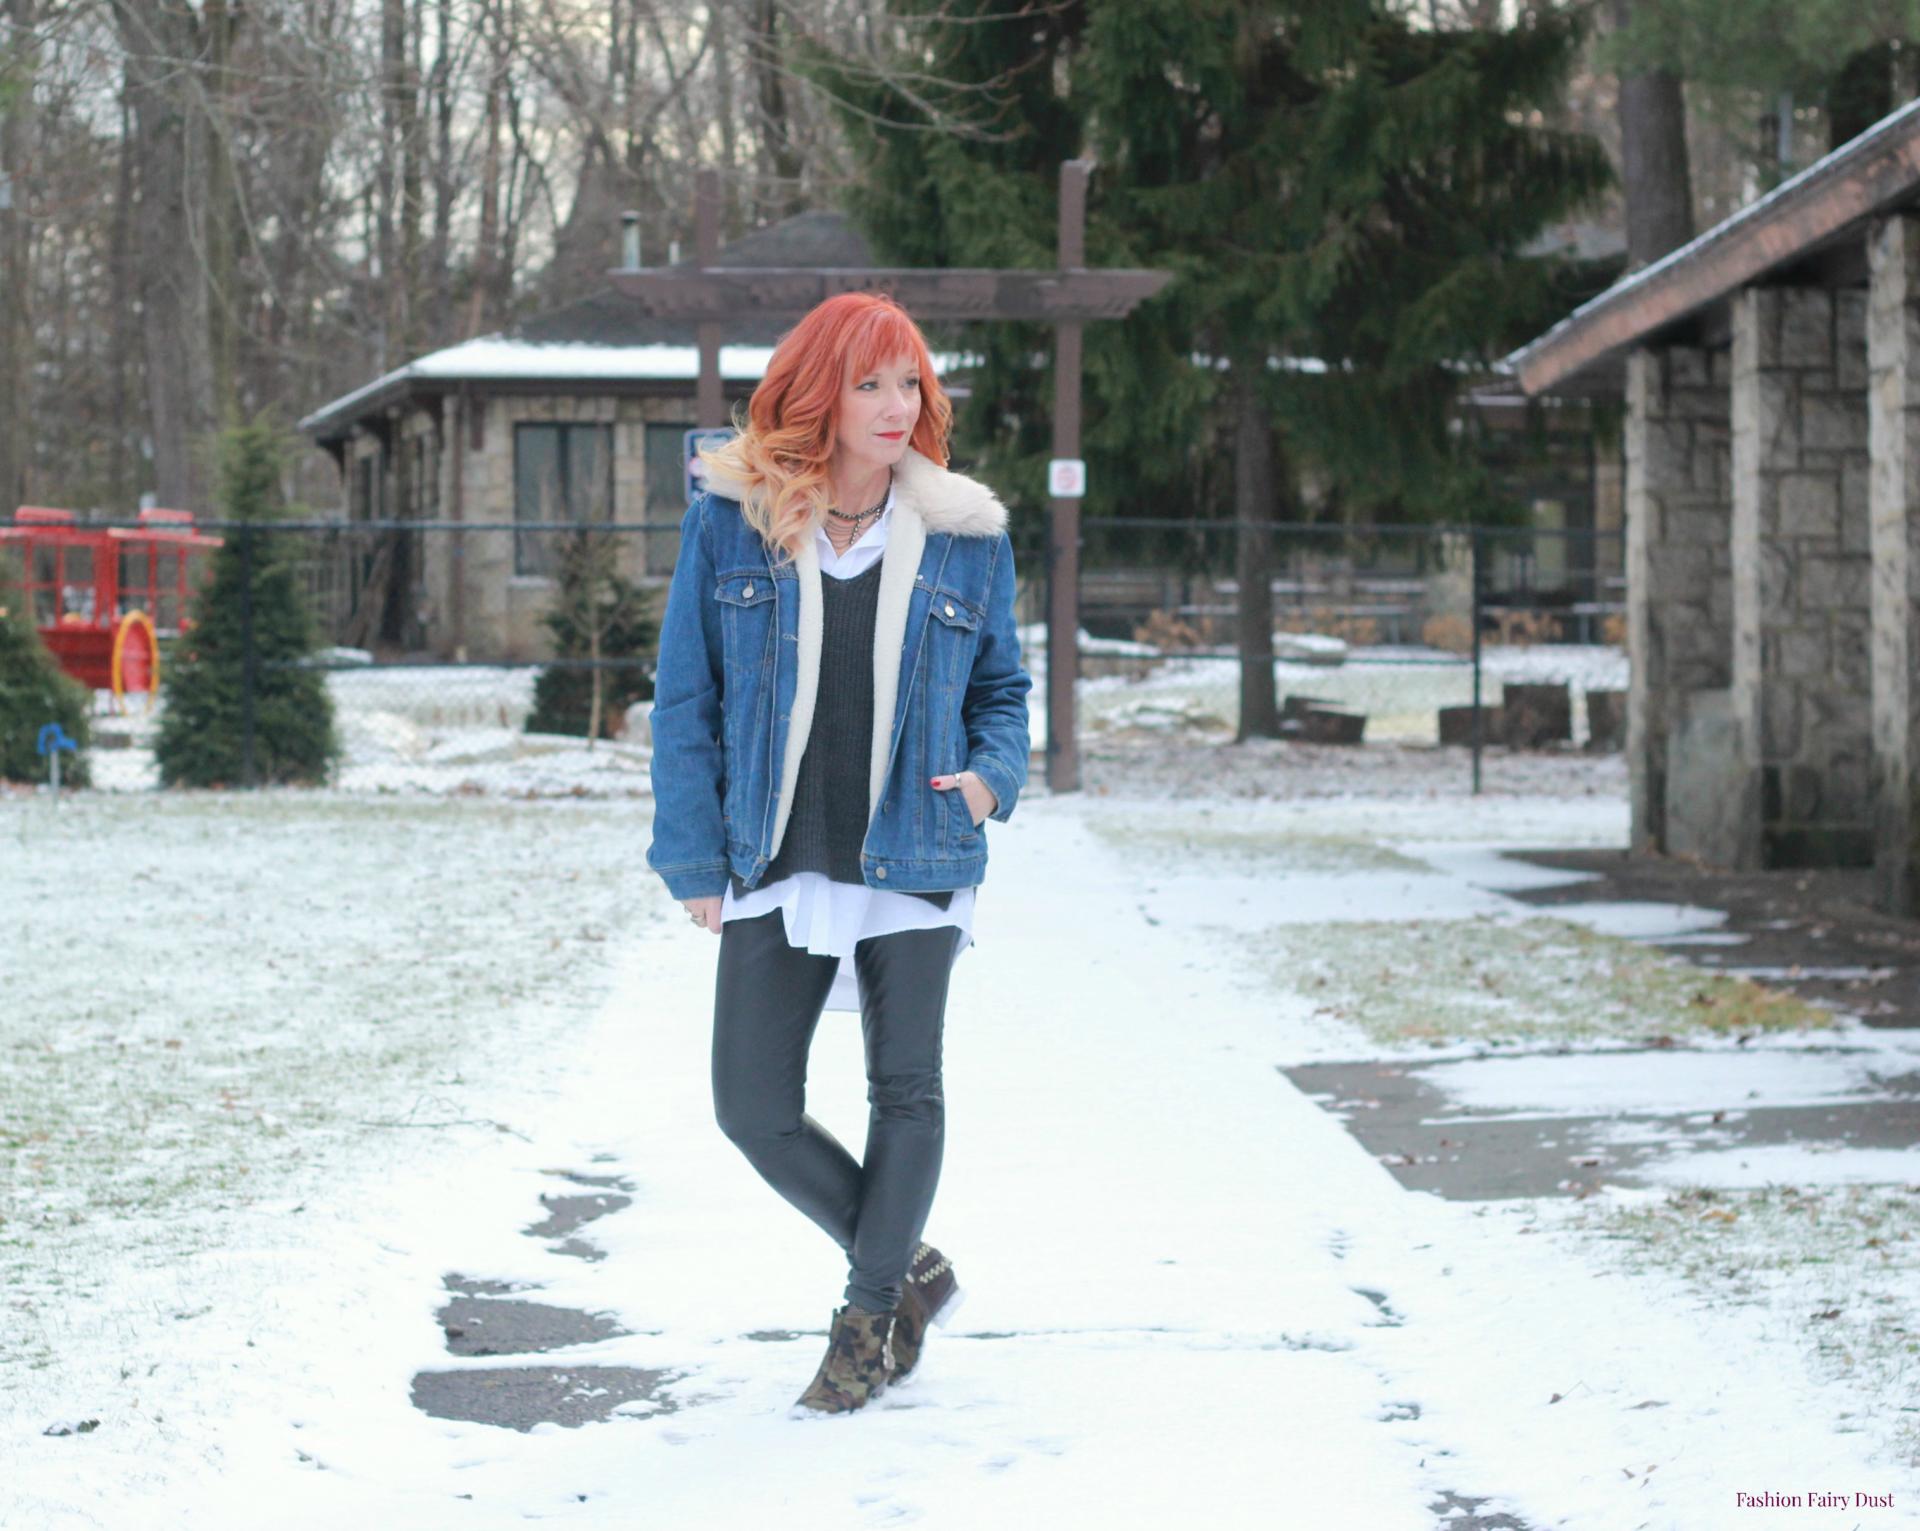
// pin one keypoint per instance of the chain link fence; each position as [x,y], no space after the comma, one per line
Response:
[1477,637]
[459,656]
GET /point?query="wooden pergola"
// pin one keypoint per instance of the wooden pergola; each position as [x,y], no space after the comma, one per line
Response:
[710,293]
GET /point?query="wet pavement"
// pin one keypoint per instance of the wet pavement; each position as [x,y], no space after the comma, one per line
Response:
[1814,933]
[1561,1121]
[1410,1117]
[486,1317]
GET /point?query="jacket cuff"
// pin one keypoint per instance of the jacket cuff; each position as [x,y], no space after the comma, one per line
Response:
[707,879]
[1000,782]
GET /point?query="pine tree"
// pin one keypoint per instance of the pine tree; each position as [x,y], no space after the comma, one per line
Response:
[960,168]
[34,691]
[1838,59]
[202,737]
[600,614]
[1342,195]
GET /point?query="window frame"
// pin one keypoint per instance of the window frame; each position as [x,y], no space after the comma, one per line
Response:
[527,564]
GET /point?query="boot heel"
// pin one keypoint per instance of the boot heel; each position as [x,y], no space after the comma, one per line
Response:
[950,1307]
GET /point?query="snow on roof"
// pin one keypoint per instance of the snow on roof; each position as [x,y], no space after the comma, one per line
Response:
[496,358]
[1853,152]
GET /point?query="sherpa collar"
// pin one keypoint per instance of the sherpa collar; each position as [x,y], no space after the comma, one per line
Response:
[945,501]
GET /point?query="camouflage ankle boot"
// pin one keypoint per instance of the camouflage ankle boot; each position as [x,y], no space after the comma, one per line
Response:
[929,1295]
[856,1365]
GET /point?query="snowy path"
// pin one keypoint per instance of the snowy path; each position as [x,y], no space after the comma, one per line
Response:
[1192,1295]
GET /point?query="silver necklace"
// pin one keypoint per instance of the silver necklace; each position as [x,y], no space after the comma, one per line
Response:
[841,515]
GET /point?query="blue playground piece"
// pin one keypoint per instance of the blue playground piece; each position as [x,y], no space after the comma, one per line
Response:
[51,741]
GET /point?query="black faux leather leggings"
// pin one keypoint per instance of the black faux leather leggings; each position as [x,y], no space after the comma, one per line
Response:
[768,997]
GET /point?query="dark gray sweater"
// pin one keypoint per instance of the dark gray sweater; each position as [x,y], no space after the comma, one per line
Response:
[828,821]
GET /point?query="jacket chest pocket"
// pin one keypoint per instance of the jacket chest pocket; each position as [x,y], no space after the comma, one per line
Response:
[954,633]
[746,619]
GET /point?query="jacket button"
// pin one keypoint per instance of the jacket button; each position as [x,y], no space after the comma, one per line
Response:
[749,591]
[949,605]
[879,871]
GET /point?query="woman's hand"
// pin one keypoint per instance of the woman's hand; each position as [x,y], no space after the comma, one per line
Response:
[979,796]
[704,911]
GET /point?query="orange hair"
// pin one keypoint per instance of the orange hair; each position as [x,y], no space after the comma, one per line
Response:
[786,442]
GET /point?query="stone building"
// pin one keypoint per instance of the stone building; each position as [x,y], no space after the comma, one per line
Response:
[579,413]
[1771,375]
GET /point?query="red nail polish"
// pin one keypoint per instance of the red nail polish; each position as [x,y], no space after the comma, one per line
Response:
[933,781]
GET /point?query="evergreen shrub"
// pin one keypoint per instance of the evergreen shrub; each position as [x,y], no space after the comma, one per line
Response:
[34,691]
[201,741]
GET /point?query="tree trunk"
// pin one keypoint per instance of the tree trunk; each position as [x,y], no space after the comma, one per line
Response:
[1653,151]
[486,250]
[597,686]
[410,337]
[393,287]
[163,47]
[16,253]
[729,141]
[780,160]
[120,469]
[1253,491]
[440,251]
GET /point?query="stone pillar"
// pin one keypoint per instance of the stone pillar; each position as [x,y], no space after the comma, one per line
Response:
[1893,252]
[1800,560]
[1679,589]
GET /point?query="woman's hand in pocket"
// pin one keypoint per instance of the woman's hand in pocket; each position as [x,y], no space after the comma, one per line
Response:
[980,798]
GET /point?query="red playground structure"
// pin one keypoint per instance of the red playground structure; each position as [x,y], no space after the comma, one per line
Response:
[103,597]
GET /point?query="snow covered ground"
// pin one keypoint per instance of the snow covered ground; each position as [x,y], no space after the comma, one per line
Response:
[444,729]
[273,1067]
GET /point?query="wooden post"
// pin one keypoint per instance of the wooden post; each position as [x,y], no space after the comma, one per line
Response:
[1063,551]
[457,443]
[710,406]
[714,296]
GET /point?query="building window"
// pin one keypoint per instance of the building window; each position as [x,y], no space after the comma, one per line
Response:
[364,497]
[666,471]
[560,473]
[666,490]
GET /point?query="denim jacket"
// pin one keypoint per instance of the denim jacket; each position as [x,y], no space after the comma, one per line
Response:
[739,671]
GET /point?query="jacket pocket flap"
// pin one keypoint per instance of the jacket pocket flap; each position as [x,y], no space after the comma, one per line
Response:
[743,589]
[954,611]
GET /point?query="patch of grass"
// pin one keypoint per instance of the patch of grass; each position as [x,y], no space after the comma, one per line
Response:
[211,999]
[1484,979]
[1227,847]
[1836,1267]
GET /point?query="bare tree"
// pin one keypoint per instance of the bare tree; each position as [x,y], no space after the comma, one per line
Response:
[164,48]
[18,67]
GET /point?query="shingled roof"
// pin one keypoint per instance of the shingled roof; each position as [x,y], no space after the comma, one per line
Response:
[1809,228]
[605,317]
[604,338]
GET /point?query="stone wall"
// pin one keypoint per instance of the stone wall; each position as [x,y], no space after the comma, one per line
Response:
[1679,585]
[1801,687]
[1893,252]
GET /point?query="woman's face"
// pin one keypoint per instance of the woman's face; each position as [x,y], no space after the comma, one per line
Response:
[877,414]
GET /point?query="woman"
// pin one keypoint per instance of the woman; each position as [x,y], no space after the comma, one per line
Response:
[839,706]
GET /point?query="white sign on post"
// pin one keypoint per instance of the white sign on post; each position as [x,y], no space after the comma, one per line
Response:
[690,444]
[1067,478]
